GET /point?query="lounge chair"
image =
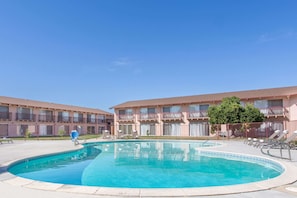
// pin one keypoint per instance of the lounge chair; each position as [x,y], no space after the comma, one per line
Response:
[135,135]
[281,145]
[248,141]
[6,139]
[270,139]
[273,141]
[120,134]
[106,134]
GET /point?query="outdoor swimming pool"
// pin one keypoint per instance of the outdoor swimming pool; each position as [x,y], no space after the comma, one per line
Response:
[147,164]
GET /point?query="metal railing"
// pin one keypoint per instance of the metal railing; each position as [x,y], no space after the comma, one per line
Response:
[25,117]
[148,116]
[273,111]
[65,119]
[126,117]
[5,116]
[175,116]
[197,114]
[46,118]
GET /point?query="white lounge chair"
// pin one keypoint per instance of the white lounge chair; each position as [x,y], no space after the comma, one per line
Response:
[6,139]
[270,139]
[120,134]
[106,134]
[248,140]
[281,145]
[135,135]
[278,139]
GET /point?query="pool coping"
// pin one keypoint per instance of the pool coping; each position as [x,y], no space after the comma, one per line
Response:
[287,177]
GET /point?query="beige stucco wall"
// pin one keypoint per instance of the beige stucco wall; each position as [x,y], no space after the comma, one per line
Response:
[289,120]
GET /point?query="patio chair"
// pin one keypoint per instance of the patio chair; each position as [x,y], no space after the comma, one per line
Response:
[281,145]
[248,141]
[120,134]
[6,139]
[106,134]
[135,135]
[270,139]
[273,141]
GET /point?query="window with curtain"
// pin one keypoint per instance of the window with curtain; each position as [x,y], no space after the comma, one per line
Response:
[143,113]
[63,116]
[172,112]
[275,103]
[203,109]
[45,115]
[172,129]
[198,110]
[126,114]
[101,118]
[275,106]
[91,118]
[45,130]
[75,117]
[146,113]
[147,129]
[199,129]
[4,112]
[24,113]
[262,105]
[126,129]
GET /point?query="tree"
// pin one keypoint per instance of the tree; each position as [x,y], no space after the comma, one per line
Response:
[231,111]
[251,114]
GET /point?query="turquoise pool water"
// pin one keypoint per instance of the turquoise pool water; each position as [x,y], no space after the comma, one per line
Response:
[147,164]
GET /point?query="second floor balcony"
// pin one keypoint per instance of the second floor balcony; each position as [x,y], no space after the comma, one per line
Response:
[274,111]
[78,120]
[172,116]
[5,116]
[197,115]
[126,118]
[25,117]
[148,117]
[91,120]
[65,119]
[46,118]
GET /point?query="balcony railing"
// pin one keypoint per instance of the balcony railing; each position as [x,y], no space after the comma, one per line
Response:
[148,117]
[46,118]
[78,120]
[5,116]
[126,117]
[273,111]
[64,119]
[172,116]
[25,117]
[91,120]
[197,115]
[101,121]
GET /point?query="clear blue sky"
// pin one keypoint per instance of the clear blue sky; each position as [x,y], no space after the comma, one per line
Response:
[100,53]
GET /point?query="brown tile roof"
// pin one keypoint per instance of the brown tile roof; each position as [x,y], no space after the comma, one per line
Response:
[210,98]
[47,105]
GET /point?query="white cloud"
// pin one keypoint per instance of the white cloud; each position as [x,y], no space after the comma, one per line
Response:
[121,62]
[268,37]
[125,64]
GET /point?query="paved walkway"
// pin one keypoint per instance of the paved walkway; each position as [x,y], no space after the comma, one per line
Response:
[11,186]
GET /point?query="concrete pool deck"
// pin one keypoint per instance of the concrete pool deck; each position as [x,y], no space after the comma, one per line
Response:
[12,186]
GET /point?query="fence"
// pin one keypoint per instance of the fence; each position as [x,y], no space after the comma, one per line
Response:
[254,130]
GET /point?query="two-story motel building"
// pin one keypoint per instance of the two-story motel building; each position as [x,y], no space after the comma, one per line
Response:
[17,116]
[187,115]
